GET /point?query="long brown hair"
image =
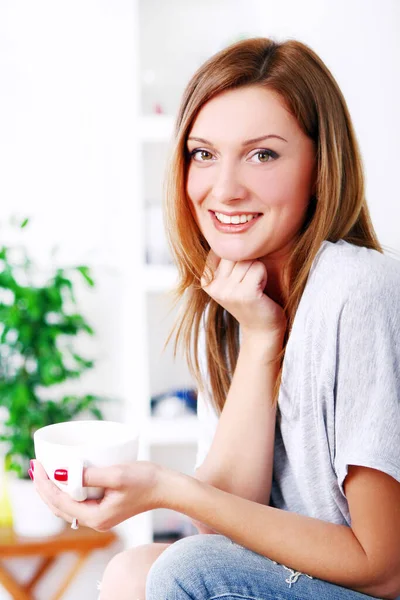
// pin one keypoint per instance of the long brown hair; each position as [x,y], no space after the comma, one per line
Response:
[337,211]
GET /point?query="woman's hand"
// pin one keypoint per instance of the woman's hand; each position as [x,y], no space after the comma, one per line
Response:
[239,288]
[129,490]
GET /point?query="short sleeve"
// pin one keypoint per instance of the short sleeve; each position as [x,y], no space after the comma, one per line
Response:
[367,385]
[207,417]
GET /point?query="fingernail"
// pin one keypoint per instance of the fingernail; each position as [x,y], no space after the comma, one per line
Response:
[32,465]
[30,473]
[61,475]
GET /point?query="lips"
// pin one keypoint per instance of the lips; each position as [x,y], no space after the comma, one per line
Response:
[233,228]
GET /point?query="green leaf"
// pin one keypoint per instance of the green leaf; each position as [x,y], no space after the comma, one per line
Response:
[96,412]
[86,364]
[24,223]
[86,275]
[61,282]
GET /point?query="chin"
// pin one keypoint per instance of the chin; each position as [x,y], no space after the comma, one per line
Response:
[237,256]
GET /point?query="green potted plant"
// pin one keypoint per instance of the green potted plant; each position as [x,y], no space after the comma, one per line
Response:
[38,324]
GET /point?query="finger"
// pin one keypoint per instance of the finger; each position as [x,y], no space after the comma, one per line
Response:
[234,271]
[228,268]
[54,510]
[38,471]
[61,502]
[106,477]
[257,275]
[240,270]
[225,268]
[42,485]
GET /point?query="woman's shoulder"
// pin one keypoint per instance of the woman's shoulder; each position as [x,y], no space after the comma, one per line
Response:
[342,269]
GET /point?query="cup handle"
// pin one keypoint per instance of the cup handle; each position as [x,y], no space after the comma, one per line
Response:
[75,477]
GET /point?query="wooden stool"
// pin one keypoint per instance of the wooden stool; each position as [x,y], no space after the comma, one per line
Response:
[82,541]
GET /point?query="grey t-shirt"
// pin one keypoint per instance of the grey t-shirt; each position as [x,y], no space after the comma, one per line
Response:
[339,400]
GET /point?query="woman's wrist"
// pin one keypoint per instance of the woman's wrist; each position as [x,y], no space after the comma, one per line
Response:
[166,482]
[172,489]
[263,346]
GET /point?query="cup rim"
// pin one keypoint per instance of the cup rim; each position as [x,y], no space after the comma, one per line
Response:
[133,434]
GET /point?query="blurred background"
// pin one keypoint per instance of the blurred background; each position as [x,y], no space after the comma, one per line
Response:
[89,93]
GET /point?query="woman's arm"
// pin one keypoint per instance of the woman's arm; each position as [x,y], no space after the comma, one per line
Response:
[364,558]
[240,459]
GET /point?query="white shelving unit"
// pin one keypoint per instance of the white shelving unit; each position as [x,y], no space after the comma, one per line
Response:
[169,441]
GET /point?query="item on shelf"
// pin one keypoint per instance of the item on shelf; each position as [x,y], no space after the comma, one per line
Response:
[174,403]
[157,250]
[158,109]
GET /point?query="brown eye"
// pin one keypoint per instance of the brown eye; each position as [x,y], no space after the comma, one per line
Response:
[204,154]
[265,156]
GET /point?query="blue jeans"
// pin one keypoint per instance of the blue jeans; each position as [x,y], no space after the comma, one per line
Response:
[211,567]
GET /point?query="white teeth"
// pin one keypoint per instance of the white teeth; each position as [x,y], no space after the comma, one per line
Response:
[235,220]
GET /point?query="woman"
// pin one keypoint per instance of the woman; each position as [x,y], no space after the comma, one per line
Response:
[278,259]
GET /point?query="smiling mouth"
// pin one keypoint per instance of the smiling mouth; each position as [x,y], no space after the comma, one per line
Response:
[235,218]
[230,227]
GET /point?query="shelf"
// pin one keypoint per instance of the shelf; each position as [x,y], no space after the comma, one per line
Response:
[156,128]
[181,430]
[159,278]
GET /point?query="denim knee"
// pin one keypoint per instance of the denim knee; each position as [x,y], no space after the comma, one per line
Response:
[180,571]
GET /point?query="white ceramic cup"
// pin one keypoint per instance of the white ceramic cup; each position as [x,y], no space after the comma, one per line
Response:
[74,445]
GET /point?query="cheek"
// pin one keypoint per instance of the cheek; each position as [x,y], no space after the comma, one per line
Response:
[273,188]
[290,184]
[197,185]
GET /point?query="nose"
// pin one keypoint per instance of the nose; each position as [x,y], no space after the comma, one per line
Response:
[227,186]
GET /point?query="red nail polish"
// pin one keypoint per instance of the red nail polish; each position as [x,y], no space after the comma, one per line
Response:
[30,474]
[61,475]
[32,465]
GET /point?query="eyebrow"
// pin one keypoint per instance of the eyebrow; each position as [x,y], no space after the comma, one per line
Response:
[246,143]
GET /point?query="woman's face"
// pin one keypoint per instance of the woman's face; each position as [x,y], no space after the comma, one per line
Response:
[232,173]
